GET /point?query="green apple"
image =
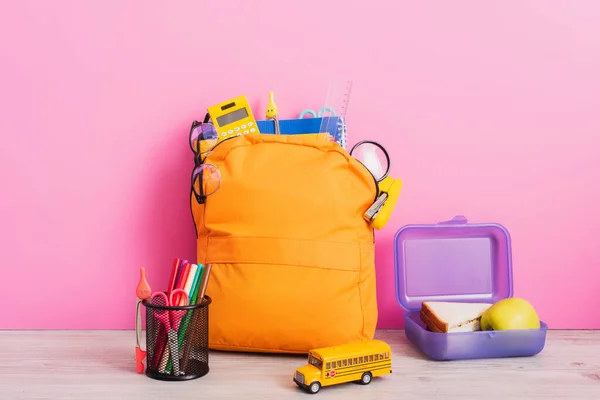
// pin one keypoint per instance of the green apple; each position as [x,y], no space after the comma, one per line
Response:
[510,313]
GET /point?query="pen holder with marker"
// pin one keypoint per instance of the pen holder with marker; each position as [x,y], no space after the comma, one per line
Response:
[182,330]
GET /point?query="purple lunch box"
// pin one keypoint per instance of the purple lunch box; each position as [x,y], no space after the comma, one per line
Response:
[464,262]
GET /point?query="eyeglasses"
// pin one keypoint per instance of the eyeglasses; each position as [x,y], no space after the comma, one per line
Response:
[206,180]
[203,138]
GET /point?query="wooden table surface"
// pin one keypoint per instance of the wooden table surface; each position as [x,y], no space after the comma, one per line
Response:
[100,365]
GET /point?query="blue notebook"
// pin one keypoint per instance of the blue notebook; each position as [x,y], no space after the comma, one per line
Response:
[334,125]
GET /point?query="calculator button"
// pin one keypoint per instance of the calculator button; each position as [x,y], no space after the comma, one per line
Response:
[243,126]
[245,132]
[249,123]
[252,130]
[237,128]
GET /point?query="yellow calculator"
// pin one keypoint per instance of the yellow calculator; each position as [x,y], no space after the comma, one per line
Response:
[233,118]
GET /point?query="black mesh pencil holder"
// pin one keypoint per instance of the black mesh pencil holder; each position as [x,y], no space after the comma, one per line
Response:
[177,341]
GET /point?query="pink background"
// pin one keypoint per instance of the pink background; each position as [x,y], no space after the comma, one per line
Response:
[489,109]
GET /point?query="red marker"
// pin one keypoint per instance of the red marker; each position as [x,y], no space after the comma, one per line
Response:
[185,271]
[174,272]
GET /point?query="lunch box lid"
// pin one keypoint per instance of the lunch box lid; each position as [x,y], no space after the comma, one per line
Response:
[452,261]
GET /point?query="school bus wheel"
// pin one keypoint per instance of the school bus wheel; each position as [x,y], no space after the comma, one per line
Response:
[365,379]
[314,387]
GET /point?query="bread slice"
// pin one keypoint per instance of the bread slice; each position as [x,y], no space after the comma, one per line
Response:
[445,317]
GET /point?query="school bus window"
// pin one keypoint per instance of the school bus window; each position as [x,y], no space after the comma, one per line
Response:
[387,355]
[350,361]
[315,361]
[355,361]
[328,365]
[371,357]
[339,363]
[376,357]
[360,360]
[344,362]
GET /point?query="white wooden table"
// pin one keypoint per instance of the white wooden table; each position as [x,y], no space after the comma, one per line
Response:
[90,365]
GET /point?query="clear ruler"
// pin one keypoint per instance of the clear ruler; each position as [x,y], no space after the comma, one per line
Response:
[336,104]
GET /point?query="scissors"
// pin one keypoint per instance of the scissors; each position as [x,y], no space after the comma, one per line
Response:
[315,114]
[171,320]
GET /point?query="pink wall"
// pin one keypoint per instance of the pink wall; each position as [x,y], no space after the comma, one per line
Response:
[489,110]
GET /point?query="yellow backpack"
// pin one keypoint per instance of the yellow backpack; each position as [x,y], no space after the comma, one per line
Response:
[293,263]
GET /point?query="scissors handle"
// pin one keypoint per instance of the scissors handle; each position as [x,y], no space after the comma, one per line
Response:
[313,114]
[310,112]
[159,299]
[178,297]
[322,110]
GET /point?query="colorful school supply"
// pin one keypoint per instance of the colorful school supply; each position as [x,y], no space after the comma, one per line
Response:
[143,292]
[173,319]
[205,279]
[334,128]
[381,210]
[233,118]
[272,111]
[180,284]
[197,298]
[193,295]
[177,263]
[317,114]
[176,270]
[190,286]
[189,281]
[170,319]
[178,300]
[374,156]
[196,283]
[294,268]
[338,97]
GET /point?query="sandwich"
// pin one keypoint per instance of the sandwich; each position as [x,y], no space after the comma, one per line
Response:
[445,317]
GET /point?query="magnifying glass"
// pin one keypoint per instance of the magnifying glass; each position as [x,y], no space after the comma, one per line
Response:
[373,156]
[206,180]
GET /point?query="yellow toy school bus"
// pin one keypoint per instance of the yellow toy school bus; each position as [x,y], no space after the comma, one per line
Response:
[358,362]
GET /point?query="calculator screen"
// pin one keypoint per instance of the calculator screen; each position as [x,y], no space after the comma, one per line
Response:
[232,117]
